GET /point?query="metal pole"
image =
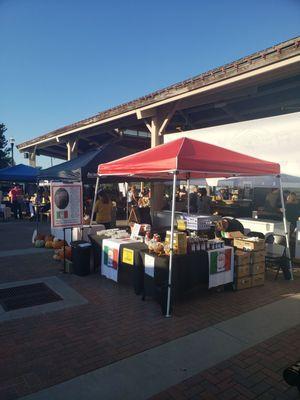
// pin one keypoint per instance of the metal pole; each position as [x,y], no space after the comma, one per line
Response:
[188,194]
[64,230]
[37,209]
[94,202]
[127,207]
[171,244]
[287,234]
[12,154]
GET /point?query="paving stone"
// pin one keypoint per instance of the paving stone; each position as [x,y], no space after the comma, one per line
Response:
[115,324]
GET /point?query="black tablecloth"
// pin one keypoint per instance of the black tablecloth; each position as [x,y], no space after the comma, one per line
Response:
[188,272]
[132,274]
[127,274]
[96,242]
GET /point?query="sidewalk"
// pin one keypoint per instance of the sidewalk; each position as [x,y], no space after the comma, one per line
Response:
[143,375]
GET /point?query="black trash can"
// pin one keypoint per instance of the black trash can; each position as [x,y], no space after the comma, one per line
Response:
[81,254]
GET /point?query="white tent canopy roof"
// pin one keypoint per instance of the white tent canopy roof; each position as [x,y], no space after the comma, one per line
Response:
[275,139]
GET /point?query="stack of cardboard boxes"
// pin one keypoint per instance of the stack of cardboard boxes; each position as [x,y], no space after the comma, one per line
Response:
[249,262]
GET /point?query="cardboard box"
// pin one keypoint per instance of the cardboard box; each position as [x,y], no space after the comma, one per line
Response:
[258,280]
[232,235]
[242,271]
[258,268]
[241,257]
[243,283]
[249,244]
[257,256]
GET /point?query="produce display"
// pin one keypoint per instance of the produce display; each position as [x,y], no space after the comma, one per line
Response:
[50,242]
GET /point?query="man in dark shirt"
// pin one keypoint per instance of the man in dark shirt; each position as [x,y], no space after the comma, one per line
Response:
[193,200]
[229,225]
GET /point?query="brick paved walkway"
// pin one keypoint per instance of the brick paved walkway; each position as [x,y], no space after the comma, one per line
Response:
[40,351]
[253,374]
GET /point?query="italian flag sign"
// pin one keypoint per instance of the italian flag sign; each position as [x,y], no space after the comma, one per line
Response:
[110,258]
[220,266]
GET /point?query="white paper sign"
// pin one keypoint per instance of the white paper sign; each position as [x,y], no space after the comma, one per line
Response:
[66,204]
[149,265]
[135,231]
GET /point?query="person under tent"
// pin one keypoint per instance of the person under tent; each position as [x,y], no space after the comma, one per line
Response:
[103,210]
[229,225]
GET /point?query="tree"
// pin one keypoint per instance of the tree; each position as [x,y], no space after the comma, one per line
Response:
[5,158]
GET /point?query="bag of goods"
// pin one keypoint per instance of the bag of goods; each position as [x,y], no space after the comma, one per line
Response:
[159,248]
[167,249]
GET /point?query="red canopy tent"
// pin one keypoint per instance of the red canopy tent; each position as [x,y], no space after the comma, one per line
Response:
[185,158]
[188,158]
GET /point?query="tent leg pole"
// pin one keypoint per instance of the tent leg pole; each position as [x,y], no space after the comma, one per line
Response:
[188,195]
[127,207]
[94,202]
[37,209]
[171,245]
[287,236]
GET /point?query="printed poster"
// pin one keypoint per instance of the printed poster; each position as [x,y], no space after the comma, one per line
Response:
[66,204]
[149,265]
[128,256]
[110,259]
[220,266]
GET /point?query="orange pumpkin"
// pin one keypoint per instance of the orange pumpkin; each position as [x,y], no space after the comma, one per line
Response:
[58,244]
[49,244]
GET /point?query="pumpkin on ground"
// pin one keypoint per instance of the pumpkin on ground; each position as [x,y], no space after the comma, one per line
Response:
[49,244]
[58,244]
[39,243]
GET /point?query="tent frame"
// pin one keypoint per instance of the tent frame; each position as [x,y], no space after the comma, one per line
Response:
[175,173]
[171,167]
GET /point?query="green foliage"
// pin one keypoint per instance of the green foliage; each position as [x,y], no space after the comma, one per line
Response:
[5,157]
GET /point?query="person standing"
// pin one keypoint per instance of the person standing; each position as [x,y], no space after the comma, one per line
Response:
[204,202]
[193,200]
[103,210]
[132,196]
[292,210]
[16,199]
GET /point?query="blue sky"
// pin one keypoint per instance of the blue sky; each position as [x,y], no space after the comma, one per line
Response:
[64,60]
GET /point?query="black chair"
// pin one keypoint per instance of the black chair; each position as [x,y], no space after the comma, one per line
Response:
[276,254]
[256,234]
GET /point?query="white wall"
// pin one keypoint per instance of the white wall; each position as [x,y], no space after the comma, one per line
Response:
[274,139]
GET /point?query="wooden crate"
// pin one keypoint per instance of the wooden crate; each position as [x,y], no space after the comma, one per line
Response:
[243,283]
[258,268]
[249,245]
[258,280]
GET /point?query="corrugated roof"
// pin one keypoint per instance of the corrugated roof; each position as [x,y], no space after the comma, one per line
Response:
[254,61]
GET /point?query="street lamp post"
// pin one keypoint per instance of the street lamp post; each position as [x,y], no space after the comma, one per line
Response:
[12,143]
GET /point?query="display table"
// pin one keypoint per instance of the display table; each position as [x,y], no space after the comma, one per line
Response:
[130,268]
[189,271]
